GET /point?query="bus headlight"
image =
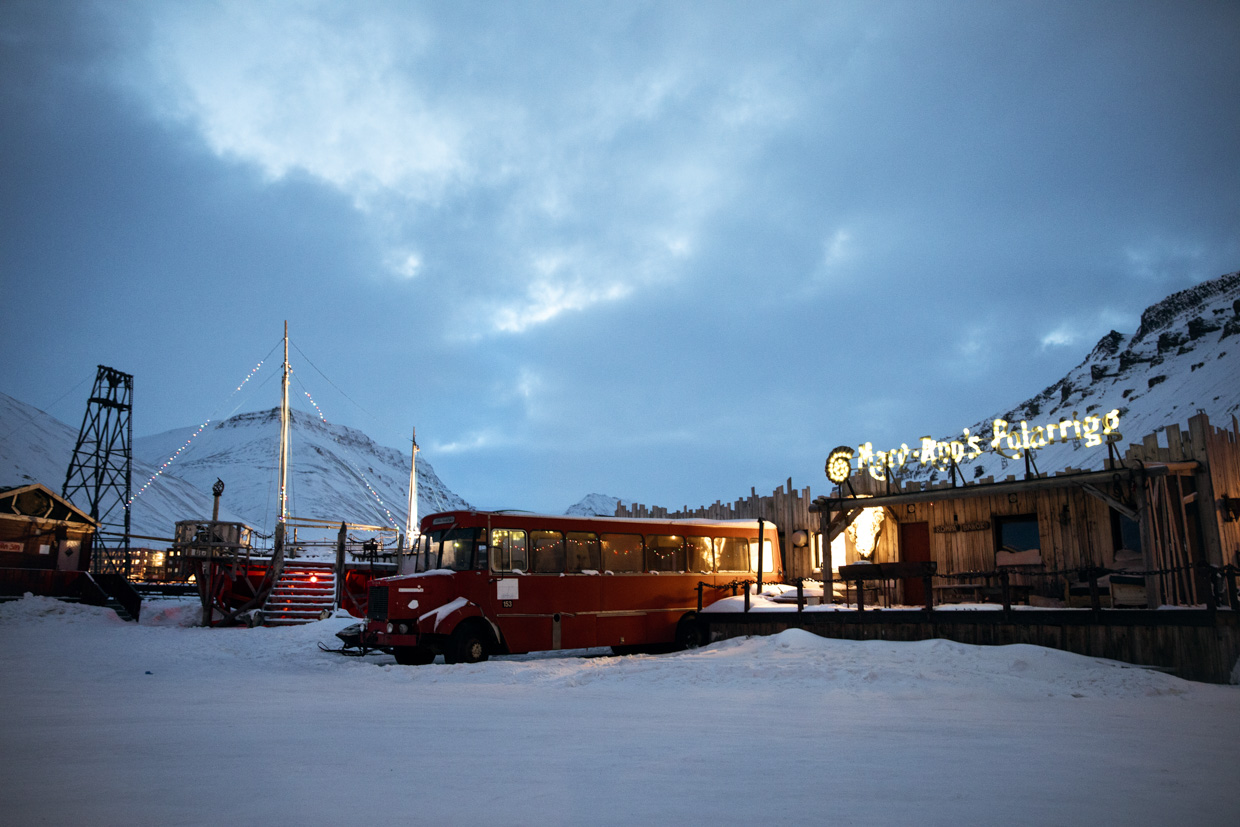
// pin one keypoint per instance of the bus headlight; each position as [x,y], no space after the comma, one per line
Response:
[404,628]
[390,627]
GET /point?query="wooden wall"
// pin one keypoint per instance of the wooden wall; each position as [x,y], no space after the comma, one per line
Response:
[1223,448]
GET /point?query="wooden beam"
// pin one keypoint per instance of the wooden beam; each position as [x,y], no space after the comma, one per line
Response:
[1119,506]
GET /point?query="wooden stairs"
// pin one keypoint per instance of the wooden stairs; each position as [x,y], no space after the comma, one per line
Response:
[304,593]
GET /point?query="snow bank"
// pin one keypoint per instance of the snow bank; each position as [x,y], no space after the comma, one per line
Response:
[106,722]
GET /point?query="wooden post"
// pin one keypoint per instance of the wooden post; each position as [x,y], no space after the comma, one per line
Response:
[824,549]
[1208,575]
[1200,431]
[761,525]
[340,538]
[1095,598]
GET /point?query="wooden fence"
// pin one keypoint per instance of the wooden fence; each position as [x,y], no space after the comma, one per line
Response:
[786,506]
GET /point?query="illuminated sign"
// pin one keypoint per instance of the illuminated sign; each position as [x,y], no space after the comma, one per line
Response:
[1007,440]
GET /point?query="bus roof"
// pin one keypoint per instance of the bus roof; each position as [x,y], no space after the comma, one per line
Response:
[572,518]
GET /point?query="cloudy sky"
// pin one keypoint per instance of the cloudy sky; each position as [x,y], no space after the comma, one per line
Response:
[663,251]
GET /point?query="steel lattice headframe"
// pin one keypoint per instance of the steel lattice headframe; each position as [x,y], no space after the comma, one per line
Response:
[101,469]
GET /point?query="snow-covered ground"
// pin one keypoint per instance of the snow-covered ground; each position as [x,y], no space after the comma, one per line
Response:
[163,723]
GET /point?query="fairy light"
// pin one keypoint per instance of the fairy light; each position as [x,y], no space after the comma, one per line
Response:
[357,470]
[391,519]
[169,461]
[375,493]
[316,406]
[183,448]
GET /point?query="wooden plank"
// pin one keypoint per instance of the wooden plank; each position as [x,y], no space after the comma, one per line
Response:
[1208,519]
[1175,447]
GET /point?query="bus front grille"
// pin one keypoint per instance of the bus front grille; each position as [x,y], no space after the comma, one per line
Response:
[377,603]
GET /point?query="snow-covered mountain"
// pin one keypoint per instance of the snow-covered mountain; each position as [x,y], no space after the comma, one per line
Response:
[336,473]
[594,505]
[1184,358]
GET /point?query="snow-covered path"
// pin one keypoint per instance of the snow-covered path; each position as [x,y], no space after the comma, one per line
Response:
[111,723]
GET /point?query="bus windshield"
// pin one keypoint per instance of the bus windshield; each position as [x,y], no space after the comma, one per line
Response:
[451,548]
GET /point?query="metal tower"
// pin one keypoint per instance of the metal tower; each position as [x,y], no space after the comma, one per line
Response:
[102,467]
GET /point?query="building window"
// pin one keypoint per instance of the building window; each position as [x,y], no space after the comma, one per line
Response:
[1017,533]
[1125,533]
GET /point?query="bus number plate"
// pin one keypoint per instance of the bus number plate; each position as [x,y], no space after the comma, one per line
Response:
[507,604]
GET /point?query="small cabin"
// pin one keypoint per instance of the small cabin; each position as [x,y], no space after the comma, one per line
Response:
[40,530]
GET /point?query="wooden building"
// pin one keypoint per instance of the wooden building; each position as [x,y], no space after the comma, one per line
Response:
[45,549]
[40,530]
[1148,528]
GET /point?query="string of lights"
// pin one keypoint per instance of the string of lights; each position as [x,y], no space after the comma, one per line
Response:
[185,446]
[391,519]
[316,406]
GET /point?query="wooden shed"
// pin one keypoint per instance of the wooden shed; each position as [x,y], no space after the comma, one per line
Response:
[40,530]
[45,549]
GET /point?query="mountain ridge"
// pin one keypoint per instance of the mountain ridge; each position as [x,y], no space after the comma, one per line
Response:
[1192,365]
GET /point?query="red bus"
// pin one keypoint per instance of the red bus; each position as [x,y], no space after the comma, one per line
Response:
[506,582]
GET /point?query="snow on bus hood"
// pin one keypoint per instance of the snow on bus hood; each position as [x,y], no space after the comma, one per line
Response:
[444,610]
[428,573]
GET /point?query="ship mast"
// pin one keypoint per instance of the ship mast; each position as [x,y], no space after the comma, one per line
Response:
[411,522]
[283,504]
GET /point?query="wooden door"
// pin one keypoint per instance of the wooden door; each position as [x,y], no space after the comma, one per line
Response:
[914,548]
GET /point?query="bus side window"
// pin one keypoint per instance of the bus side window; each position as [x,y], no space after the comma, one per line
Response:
[622,552]
[665,552]
[508,549]
[701,554]
[732,553]
[768,558]
[548,551]
[583,551]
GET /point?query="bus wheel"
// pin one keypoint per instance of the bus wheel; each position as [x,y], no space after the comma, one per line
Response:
[468,645]
[413,655]
[688,633]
